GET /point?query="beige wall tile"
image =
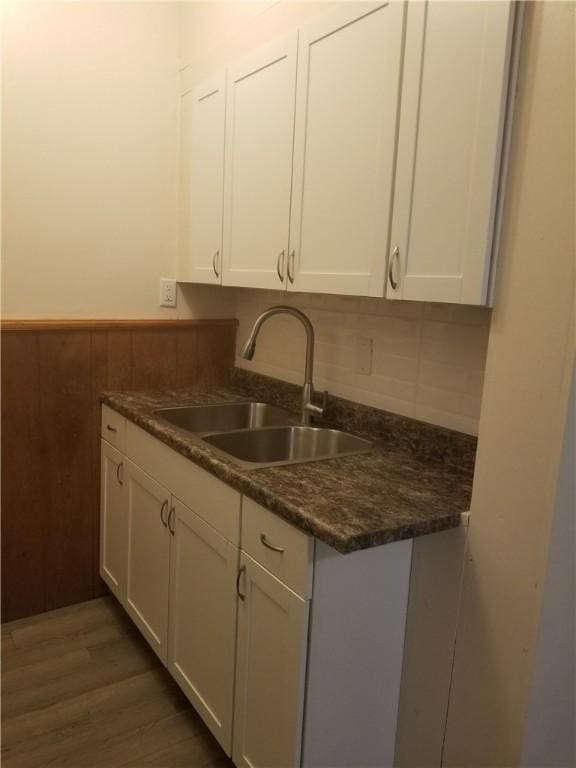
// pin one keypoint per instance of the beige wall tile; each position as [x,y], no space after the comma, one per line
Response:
[427,360]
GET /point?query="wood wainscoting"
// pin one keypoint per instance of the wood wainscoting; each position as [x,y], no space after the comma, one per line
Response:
[52,375]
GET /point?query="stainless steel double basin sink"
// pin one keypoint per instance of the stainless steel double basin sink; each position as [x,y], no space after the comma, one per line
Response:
[259,435]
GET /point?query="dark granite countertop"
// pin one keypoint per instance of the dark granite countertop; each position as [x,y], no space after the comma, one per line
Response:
[417,480]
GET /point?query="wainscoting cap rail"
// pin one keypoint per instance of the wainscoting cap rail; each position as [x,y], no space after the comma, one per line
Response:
[96,324]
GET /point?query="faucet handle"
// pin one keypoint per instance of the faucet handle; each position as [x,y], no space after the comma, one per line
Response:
[318,410]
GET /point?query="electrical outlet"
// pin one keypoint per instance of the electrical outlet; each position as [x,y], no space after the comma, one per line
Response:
[167,292]
[364,356]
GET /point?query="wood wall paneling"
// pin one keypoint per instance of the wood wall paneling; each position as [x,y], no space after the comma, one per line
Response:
[23,448]
[66,410]
[53,373]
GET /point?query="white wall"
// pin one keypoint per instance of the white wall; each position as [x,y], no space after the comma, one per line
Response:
[428,360]
[213,34]
[529,367]
[90,160]
[549,738]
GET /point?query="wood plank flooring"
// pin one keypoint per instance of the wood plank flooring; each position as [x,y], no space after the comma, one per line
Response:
[82,689]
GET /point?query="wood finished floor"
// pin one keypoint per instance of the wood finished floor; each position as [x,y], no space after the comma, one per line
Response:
[82,689]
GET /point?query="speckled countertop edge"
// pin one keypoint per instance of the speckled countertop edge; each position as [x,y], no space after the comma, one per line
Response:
[417,480]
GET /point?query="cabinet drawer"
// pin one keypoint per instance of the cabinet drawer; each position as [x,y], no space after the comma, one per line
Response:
[113,428]
[282,549]
[210,498]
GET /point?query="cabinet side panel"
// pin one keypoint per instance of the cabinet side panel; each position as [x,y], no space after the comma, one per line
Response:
[357,625]
[435,584]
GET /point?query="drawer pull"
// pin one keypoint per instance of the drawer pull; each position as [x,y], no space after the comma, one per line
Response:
[241,570]
[111,429]
[266,543]
[171,520]
[163,509]
[120,473]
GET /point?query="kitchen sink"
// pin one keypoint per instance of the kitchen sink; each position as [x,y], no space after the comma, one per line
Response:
[258,448]
[224,417]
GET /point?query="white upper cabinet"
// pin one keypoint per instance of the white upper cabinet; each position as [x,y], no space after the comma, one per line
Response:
[203,126]
[349,64]
[453,106]
[259,144]
[361,155]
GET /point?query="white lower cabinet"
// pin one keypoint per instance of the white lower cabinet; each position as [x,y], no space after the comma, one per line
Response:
[148,557]
[203,619]
[290,652]
[270,670]
[113,520]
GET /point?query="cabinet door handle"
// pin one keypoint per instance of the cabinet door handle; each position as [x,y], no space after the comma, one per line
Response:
[393,260]
[171,520]
[111,429]
[280,269]
[215,263]
[266,543]
[163,509]
[241,570]
[290,268]
[120,473]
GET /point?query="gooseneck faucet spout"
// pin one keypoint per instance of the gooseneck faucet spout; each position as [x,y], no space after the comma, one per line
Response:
[308,407]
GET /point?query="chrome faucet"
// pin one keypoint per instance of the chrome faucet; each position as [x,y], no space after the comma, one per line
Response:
[308,407]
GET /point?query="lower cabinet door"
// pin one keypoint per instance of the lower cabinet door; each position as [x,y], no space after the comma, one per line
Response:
[113,521]
[202,633]
[148,557]
[270,670]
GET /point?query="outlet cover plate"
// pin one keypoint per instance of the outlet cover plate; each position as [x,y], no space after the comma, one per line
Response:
[363,356]
[167,292]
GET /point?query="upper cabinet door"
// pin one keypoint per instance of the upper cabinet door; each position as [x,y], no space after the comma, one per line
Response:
[454,96]
[259,144]
[349,65]
[203,124]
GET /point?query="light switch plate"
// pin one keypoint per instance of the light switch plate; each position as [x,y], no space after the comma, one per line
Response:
[363,356]
[167,292]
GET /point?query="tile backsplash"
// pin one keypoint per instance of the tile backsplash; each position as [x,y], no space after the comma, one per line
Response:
[428,360]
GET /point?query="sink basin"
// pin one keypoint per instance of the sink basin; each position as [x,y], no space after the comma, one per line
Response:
[258,448]
[224,417]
